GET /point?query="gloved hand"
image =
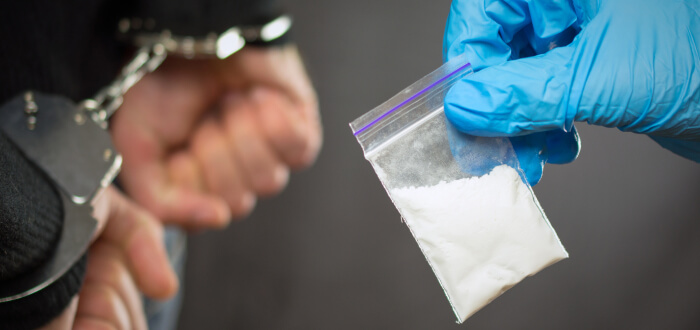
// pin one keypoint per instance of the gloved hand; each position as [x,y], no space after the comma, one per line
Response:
[541,65]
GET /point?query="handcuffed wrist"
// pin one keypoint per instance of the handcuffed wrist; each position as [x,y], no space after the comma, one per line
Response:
[143,32]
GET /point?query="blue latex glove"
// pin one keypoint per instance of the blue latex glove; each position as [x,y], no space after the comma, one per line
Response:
[541,65]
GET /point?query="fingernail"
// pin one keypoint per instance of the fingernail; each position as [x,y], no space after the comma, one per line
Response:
[247,201]
[214,216]
[281,175]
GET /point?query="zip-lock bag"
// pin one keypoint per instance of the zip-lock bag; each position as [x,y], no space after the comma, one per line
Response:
[464,198]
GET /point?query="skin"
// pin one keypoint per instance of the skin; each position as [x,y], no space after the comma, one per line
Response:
[127,257]
[202,140]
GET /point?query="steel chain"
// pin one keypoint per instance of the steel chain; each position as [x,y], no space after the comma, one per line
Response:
[103,105]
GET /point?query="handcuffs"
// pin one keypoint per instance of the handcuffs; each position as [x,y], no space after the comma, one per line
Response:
[71,145]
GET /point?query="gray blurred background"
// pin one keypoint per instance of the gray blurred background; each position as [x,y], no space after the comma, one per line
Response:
[330,252]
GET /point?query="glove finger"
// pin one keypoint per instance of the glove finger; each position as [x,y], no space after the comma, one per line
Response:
[635,77]
[476,155]
[492,32]
[532,155]
[563,147]
[515,98]
[537,149]
[479,155]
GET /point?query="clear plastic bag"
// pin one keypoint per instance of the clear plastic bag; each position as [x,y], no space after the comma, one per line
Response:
[464,198]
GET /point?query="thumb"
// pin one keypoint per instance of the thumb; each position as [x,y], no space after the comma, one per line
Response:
[140,237]
[515,98]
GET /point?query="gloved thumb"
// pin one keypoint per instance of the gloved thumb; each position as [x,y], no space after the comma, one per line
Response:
[515,98]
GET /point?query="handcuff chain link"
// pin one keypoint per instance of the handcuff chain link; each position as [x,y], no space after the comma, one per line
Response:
[103,105]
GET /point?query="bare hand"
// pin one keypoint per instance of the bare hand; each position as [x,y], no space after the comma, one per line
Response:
[127,257]
[203,139]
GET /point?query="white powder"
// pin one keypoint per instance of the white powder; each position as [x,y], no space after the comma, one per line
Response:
[480,235]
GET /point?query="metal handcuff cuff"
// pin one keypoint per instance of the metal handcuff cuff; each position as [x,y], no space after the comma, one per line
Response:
[72,146]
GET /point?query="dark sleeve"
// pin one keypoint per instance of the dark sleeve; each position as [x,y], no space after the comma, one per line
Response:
[30,213]
[200,17]
[59,47]
[31,217]
[40,308]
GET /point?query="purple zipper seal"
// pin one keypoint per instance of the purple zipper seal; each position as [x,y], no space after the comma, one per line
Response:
[421,92]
